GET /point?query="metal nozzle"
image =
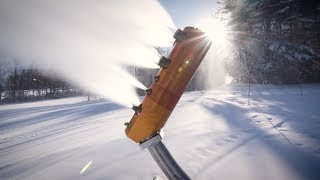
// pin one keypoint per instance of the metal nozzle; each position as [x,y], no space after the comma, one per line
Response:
[127,123]
[148,91]
[156,78]
[164,62]
[179,35]
[137,109]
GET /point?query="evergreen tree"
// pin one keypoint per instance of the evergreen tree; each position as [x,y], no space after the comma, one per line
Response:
[280,39]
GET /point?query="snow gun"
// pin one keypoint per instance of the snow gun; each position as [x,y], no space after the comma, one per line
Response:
[176,71]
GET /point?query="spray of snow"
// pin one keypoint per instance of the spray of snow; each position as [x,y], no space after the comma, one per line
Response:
[87,42]
[212,69]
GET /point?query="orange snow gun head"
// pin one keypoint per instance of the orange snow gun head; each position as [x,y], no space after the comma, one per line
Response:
[176,71]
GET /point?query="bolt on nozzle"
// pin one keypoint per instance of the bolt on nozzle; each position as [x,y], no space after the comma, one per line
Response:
[137,109]
[148,91]
[127,123]
[179,35]
[156,78]
[164,62]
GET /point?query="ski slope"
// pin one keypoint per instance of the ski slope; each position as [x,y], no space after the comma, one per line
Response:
[212,134]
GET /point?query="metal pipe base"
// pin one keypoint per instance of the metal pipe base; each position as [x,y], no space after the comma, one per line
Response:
[165,161]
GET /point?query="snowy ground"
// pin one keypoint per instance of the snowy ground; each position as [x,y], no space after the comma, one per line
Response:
[212,134]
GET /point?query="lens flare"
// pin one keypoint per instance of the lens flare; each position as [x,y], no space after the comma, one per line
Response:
[85,167]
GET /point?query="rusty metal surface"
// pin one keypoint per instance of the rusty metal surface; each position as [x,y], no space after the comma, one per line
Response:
[148,121]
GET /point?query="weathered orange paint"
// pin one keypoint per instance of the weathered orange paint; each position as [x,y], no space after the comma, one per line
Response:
[186,57]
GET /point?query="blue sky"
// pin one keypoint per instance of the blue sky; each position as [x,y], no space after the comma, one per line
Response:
[188,12]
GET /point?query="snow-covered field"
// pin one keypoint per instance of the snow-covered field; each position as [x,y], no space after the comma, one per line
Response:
[212,134]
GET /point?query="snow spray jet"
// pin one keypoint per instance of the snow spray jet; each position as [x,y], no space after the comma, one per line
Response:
[212,70]
[87,42]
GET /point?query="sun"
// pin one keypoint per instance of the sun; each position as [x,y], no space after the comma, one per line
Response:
[216,30]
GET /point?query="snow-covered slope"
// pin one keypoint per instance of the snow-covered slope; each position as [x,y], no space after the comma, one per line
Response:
[212,134]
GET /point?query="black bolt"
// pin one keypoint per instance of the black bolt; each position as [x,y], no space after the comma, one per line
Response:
[148,91]
[156,78]
[137,109]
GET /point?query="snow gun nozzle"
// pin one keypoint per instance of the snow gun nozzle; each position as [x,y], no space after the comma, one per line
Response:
[149,91]
[137,109]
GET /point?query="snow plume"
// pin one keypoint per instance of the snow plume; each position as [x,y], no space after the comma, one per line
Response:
[212,69]
[87,41]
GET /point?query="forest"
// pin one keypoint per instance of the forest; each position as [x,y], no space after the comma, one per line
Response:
[276,42]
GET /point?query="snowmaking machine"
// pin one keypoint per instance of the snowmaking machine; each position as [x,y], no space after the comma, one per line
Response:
[176,71]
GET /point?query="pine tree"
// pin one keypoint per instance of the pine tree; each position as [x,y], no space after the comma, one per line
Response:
[280,37]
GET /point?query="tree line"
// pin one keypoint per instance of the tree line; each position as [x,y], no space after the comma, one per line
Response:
[19,83]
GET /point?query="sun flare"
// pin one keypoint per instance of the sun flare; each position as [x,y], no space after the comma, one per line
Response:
[216,30]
